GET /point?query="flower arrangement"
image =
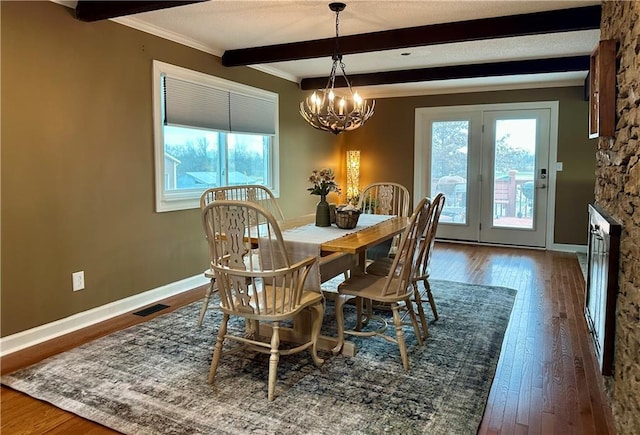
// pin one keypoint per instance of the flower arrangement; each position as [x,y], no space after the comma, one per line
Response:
[323,182]
[354,200]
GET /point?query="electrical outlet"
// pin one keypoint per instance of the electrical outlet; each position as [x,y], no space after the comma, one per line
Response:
[78,280]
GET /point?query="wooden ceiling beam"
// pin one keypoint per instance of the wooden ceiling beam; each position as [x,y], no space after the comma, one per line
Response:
[496,69]
[89,10]
[564,20]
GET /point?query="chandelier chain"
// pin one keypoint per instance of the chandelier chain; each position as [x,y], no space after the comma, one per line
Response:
[324,111]
[337,52]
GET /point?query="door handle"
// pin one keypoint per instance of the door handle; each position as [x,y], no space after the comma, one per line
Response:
[542,186]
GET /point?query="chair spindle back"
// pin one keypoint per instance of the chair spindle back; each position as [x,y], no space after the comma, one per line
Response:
[254,275]
[405,261]
[385,198]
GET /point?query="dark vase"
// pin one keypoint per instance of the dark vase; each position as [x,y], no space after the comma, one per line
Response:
[323,215]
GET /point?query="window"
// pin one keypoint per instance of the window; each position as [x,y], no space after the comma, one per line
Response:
[210,132]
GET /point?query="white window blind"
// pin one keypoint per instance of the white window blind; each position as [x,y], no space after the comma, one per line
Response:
[252,115]
[191,104]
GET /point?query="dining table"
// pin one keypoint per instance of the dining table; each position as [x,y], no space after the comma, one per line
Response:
[338,251]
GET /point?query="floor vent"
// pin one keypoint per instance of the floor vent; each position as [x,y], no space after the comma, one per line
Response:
[150,310]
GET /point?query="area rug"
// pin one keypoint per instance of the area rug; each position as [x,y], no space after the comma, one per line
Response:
[152,378]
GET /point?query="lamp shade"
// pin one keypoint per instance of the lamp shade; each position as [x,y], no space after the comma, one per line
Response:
[353,174]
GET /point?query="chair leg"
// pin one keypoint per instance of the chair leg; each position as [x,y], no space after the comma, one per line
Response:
[363,320]
[417,298]
[369,306]
[255,329]
[414,322]
[251,329]
[273,359]
[397,320]
[359,323]
[205,303]
[432,302]
[217,349]
[318,311]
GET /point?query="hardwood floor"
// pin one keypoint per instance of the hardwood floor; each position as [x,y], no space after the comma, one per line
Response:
[546,380]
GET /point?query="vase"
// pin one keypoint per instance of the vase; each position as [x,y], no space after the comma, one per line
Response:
[323,216]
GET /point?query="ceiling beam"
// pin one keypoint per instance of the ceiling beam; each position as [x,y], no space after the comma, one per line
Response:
[88,10]
[496,69]
[564,20]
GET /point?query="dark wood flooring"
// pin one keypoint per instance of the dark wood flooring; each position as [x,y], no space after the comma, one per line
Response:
[546,380]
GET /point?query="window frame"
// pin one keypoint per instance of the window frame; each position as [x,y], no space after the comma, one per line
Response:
[190,198]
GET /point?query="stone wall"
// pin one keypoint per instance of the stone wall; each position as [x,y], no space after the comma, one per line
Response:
[617,190]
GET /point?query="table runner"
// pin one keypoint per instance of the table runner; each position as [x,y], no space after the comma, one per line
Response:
[305,241]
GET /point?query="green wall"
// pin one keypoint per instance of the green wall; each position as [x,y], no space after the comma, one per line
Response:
[77,163]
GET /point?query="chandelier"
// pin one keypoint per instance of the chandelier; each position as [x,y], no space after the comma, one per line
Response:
[323,111]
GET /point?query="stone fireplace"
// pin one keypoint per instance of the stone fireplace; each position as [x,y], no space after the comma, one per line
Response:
[617,191]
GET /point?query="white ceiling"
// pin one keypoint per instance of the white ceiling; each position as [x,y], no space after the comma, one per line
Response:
[218,25]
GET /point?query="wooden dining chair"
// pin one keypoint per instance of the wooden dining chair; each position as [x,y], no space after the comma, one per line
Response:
[385,198]
[422,272]
[257,282]
[394,289]
[388,198]
[255,193]
[382,266]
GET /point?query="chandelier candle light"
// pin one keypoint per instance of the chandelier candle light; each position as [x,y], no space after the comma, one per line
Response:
[323,112]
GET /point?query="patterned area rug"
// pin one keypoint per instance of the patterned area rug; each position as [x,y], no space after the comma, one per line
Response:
[151,378]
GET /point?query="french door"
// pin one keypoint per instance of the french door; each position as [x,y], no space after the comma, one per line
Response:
[492,164]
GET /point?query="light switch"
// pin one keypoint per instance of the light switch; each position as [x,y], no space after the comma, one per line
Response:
[558,166]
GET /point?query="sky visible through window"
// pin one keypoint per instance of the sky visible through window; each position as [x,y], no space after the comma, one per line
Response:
[522,133]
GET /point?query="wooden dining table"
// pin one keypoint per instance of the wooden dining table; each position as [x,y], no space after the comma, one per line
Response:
[344,253]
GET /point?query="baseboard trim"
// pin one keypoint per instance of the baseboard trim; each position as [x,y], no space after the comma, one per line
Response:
[496,245]
[39,334]
[554,247]
[568,248]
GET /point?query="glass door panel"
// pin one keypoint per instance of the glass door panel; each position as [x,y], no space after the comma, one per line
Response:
[453,163]
[514,165]
[515,156]
[449,168]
